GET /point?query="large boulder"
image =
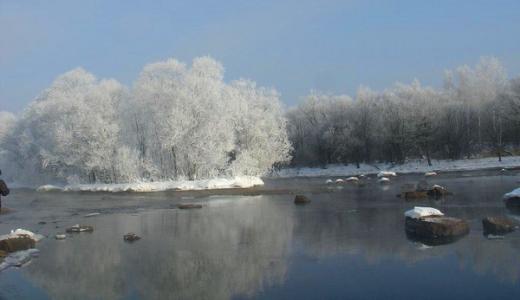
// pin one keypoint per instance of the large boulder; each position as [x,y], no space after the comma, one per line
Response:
[18,243]
[497,225]
[429,226]
[301,199]
[436,227]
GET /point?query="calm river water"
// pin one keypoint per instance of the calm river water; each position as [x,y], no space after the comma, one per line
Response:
[348,243]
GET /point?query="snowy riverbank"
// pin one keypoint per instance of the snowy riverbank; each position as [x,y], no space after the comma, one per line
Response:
[238,182]
[412,166]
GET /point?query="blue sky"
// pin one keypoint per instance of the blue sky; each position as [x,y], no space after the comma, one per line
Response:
[293,46]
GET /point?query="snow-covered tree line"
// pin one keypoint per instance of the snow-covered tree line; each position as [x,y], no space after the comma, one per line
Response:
[176,121]
[475,113]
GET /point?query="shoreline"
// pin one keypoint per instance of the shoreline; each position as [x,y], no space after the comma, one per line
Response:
[409,168]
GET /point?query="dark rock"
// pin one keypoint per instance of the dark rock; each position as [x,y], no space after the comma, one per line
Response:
[42,222]
[301,199]
[16,243]
[436,227]
[131,237]
[414,195]
[497,225]
[438,191]
[79,228]
[189,206]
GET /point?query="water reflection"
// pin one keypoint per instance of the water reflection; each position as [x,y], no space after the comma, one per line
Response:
[220,251]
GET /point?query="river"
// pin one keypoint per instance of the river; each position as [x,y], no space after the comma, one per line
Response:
[348,243]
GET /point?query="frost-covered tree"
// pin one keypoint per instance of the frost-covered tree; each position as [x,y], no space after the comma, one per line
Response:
[474,114]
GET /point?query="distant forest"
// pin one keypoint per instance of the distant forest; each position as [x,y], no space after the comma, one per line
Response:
[184,121]
[476,112]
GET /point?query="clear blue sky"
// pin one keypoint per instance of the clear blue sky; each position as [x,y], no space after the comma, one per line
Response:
[293,46]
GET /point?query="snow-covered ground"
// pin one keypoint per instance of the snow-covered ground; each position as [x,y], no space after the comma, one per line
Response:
[182,185]
[415,166]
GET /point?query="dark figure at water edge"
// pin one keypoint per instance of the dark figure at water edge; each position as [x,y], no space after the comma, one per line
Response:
[4,191]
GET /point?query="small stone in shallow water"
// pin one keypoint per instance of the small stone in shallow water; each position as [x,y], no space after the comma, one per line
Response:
[131,237]
[80,228]
[189,206]
[60,236]
[301,199]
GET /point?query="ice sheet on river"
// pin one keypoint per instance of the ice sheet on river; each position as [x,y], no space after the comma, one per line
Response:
[182,185]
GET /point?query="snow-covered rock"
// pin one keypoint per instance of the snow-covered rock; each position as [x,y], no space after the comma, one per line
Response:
[352,179]
[420,212]
[339,180]
[429,174]
[386,174]
[329,181]
[22,232]
[384,180]
[513,194]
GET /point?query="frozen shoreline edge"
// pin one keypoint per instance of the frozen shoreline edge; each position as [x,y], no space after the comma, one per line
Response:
[239,182]
[410,167]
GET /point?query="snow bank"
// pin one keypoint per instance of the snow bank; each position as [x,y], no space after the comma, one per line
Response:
[411,166]
[513,194]
[181,185]
[48,188]
[419,212]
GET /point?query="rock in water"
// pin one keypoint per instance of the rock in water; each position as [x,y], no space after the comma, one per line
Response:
[60,236]
[301,199]
[429,174]
[79,228]
[436,229]
[131,237]
[352,179]
[438,191]
[384,180]
[189,206]
[497,225]
[14,244]
[410,195]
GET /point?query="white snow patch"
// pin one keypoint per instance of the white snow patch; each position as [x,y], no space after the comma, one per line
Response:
[182,185]
[48,188]
[386,174]
[429,174]
[513,194]
[329,181]
[420,212]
